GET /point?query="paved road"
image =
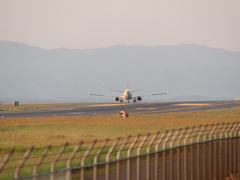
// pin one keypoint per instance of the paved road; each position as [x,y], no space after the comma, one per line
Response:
[140,107]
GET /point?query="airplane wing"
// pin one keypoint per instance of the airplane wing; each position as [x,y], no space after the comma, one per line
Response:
[100,95]
[156,94]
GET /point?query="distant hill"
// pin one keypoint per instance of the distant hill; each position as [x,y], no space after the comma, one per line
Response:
[182,71]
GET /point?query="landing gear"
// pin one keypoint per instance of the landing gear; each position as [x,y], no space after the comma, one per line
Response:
[121,101]
[134,101]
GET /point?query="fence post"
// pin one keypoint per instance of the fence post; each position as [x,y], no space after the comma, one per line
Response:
[21,163]
[230,153]
[156,154]
[235,133]
[214,126]
[221,150]
[95,161]
[56,160]
[185,152]
[192,140]
[210,151]
[219,129]
[188,134]
[224,128]
[201,133]
[148,156]
[171,153]
[198,151]
[181,135]
[236,147]
[178,152]
[216,150]
[69,171]
[233,128]
[119,156]
[235,151]
[164,153]
[174,137]
[108,156]
[208,131]
[138,153]
[195,134]
[129,155]
[228,129]
[6,158]
[84,159]
[226,149]
[35,171]
[204,150]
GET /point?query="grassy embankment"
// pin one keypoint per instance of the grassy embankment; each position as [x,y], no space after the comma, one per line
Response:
[23,132]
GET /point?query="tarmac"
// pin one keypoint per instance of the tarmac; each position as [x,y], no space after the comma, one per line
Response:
[132,108]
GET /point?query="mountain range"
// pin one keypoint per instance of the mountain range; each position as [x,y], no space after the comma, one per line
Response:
[186,72]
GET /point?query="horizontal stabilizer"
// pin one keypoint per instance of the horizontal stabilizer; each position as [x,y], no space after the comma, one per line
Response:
[117,90]
[136,90]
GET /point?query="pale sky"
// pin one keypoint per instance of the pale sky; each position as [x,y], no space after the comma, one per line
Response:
[84,24]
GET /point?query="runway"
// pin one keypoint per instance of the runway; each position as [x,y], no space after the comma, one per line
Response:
[105,109]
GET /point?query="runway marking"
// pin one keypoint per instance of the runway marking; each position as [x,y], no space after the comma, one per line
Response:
[64,109]
[76,113]
[170,110]
[145,108]
[55,109]
[191,104]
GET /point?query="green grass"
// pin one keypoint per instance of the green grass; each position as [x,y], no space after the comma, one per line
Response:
[23,132]
[56,130]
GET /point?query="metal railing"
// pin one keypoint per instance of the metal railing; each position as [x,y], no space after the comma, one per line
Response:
[203,152]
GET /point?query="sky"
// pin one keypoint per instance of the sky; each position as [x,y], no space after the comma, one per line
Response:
[88,24]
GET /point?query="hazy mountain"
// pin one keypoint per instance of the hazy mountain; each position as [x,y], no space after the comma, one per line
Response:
[183,70]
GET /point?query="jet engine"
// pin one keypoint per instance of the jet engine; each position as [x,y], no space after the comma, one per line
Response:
[139,98]
[116,99]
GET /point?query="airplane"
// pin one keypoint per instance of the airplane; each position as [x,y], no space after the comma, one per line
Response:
[127,95]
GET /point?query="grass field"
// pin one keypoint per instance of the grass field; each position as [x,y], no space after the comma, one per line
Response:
[23,132]
[19,132]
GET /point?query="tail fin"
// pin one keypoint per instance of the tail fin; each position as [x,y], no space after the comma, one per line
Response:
[127,81]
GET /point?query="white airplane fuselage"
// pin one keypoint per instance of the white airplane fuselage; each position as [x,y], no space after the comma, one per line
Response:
[127,95]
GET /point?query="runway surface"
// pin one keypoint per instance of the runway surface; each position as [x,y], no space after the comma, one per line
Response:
[104,109]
